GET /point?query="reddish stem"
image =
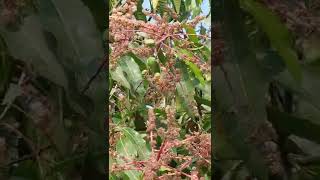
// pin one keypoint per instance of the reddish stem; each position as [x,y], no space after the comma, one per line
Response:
[161,149]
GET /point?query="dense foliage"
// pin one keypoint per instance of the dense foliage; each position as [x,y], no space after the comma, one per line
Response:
[160,90]
[266,84]
[51,123]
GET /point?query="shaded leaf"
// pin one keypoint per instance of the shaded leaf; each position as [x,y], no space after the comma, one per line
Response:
[298,126]
[12,93]
[36,51]
[278,34]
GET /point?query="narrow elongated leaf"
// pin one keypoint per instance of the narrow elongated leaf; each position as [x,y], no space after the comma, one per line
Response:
[298,126]
[237,85]
[177,5]
[185,91]
[139,14]
[195,69]
[78,38]
[278,34]
[36,51]
[197,72]
[11,94]
[154,4]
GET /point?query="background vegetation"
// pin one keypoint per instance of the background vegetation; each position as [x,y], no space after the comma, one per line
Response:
[51,122]
[266,84]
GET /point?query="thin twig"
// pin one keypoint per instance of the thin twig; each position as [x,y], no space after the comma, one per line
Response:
[87,86]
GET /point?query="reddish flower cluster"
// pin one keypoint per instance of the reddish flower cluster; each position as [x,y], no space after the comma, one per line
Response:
[147,39]
[198,144]
[297,16]
[126,33]
[162,84]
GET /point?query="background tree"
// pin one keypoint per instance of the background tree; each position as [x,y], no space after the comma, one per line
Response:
[51,123]
[265,83]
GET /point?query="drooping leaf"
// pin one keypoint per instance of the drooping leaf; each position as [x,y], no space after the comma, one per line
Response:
[277,33]
[298,126]
[132,70]
[307,90]
[195,69]
[137,140]
[118,76]
[238,83]
[36,52]
[79,41]
[177,5]
[131,145]
[12,93]
[185,91]
[154,4]
[197,72]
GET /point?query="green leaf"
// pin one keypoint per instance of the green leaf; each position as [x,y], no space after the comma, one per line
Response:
[311,48]
[161,57]
[36,52]
[98,9]
[278,34]
[78,39]
[12,93]
[128,148]
[139,14]
[202,101]
[132,70]
[163,168]
[160,6]
[131,144]
[182,52]
[177,5]
[197,72]
[141,64]
[153,65]
[118,76]
[298,126]
[191,33]
[125,147]
[306,92]
[154,4]
[237,84]
[139,143]
[195,69]
[185,92]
